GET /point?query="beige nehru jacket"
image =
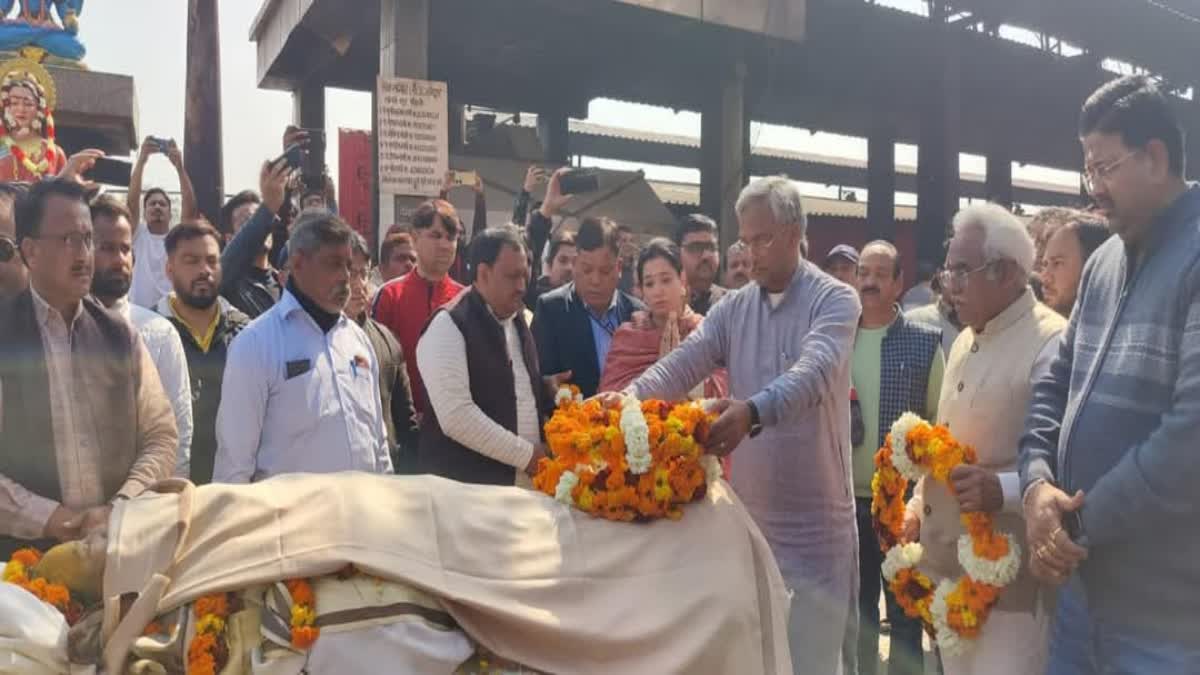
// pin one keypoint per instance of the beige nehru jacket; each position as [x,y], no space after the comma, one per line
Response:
[985,396]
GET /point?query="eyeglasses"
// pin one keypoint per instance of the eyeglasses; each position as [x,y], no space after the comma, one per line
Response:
[957,278]
[78,241]
[1095,173]
[760,243]
[700,247]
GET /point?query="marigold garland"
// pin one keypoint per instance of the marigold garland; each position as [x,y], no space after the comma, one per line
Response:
[953,611]
[641,461]
[304,613]
[208,651]
[19,571]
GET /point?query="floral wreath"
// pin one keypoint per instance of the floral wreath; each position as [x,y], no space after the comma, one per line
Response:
[640,462]
[955,611]
[21,571]
[23,72]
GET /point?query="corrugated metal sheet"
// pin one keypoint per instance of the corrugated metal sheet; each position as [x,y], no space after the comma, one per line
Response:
[689,195]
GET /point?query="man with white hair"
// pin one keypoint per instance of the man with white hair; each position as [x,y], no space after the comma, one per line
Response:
[1007,343]
[786,339]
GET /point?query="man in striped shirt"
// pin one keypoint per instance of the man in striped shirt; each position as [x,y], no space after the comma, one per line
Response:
[1108,463]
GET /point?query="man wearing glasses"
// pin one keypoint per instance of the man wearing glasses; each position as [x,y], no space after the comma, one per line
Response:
[1108,465]
[697,241]
[1007,343]
[13,276]
[786,340]
[83,417]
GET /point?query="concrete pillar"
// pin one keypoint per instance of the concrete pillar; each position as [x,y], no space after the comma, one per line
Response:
[457,132]
[724,155]
[308,105]
[937,153]
[403,52]
[553,130]
[881,182]
[999,185]
[202,111]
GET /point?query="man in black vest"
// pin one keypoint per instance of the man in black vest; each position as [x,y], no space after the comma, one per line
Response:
[897,367]
[83,417]
[480,367]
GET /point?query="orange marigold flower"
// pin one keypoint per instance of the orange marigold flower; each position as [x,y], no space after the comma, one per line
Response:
[300,590]
[27,556]
[303,637]
[217,604]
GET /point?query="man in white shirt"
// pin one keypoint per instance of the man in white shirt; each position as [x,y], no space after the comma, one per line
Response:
[301,386]
[480,367]
[150,282]
[113,265]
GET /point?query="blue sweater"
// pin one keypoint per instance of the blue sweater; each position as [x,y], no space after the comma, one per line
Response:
[1118,416]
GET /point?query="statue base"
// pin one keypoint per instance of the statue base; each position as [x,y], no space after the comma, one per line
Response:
[46,59]
[95,110]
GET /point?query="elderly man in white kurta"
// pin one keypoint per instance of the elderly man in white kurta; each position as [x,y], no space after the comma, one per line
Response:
[1009,341]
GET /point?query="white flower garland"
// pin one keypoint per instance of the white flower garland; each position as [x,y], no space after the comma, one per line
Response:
[948,641]
[637,435]
[1000,572]
[900,430]
[900,557]
[566,484]
[712,468]
[565,395]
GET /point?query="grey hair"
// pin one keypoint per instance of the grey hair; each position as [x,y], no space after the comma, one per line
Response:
[1005,237]
[358,246]
[781,195]
[316,228]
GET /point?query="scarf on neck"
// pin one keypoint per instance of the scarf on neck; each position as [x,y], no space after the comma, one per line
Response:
[324,319]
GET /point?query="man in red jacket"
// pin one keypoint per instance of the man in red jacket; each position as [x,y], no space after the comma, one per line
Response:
[405,304]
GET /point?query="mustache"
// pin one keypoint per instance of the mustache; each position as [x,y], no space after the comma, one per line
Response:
[870,289]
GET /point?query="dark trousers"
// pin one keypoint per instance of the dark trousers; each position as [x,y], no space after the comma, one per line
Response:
[906,656]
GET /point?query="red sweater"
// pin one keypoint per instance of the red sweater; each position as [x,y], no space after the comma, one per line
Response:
[404,305]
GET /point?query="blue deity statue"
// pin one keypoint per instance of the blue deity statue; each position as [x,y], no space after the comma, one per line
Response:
[33,26]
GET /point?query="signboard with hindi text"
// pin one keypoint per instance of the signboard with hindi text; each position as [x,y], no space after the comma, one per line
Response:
[413,136]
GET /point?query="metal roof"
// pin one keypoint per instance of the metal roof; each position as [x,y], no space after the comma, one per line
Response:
[1162,35]
[688,194]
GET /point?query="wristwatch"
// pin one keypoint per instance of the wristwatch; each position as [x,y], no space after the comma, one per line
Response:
[756,426]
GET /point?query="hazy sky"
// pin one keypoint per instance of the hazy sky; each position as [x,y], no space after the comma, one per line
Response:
[147,39]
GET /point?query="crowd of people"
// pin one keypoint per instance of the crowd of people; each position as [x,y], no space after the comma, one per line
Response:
[275,341]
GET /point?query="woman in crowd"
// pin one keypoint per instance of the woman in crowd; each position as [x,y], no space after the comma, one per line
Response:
[637,345]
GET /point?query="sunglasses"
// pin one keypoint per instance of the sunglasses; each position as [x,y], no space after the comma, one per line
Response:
[8,249]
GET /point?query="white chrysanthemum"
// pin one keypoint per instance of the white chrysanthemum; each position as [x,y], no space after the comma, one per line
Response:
[900,429]
[566,484]
[562,396]
[637,436]
[948,641]
[901,557]
[1000,572]
[712,468]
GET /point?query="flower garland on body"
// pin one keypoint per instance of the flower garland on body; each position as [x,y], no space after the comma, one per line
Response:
[954,611]
[20,571]
[208,652]
[642,461]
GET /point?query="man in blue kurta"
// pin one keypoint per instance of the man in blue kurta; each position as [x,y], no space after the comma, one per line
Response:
[786,340]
